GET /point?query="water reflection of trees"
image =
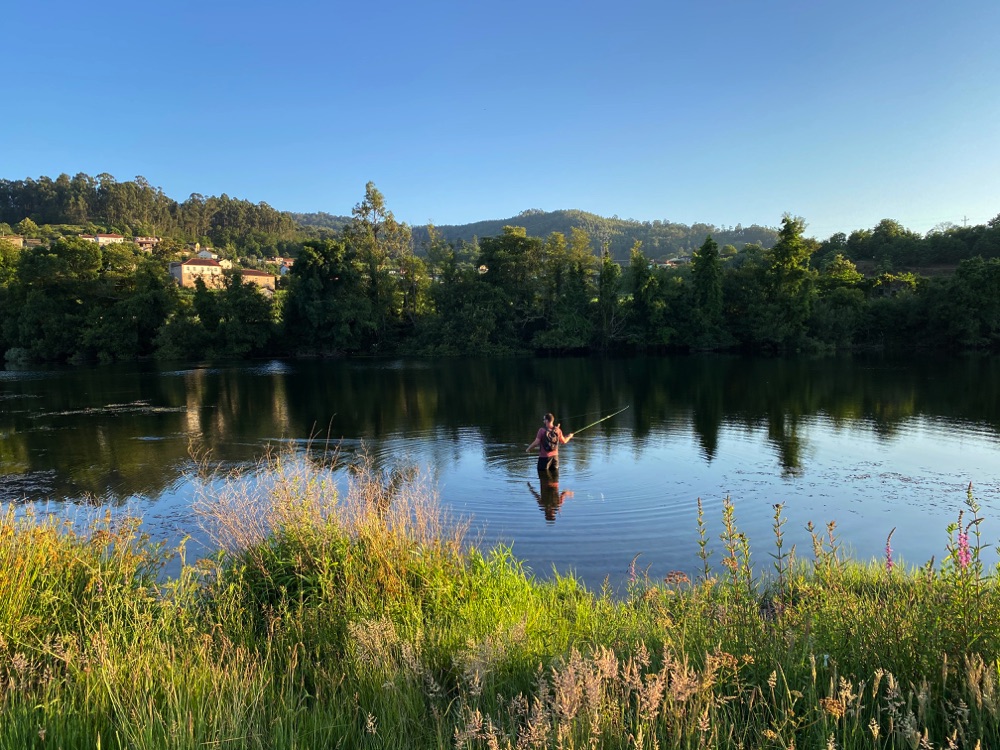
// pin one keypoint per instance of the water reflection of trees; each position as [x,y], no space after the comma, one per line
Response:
[113,433]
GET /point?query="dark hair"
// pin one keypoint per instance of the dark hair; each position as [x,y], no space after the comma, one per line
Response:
[549,417]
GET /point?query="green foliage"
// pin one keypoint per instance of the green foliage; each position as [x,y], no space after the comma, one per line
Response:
[361,619]
[358,287]
[381,246]
[611,313]
[246,321]
[136,208]
[649,321]
[964,310]
[661,239]
[706,270]
[511,266]
[569,286]
[326,310]
[790,284]
[8,262]
[27,228]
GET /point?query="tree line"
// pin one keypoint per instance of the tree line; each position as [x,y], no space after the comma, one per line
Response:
[365,290]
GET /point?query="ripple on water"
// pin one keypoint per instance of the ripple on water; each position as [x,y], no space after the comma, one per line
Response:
[27,487]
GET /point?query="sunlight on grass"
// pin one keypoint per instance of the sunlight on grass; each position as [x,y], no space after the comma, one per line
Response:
[361,618]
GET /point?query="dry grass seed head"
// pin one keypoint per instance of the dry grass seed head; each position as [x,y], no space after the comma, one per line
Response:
[375,643]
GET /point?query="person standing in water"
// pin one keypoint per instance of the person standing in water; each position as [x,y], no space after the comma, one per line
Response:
[547,440]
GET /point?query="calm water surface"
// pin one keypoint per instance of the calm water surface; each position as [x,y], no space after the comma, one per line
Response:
[871,443]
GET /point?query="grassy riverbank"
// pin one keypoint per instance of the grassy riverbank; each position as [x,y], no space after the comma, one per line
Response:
[362,619]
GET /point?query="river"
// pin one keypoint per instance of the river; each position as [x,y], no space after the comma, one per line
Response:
[872,443]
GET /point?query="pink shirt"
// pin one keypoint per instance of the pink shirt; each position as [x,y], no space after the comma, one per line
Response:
[540,437]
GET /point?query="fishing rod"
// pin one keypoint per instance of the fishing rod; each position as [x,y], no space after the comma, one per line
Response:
[602,419]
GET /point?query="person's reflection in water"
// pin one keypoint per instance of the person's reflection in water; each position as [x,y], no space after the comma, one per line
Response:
[550,497]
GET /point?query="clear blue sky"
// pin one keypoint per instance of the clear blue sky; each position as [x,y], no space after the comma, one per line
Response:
[843,112]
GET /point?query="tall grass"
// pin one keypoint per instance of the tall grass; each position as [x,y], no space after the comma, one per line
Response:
[362,618]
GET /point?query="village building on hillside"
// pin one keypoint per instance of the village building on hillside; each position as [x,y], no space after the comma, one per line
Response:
[284,264]
[14,239]
[147,243]
[104,239]
[206,269]
[261,278]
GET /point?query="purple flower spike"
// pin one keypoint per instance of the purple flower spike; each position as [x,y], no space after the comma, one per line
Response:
[964,554]
[888,551]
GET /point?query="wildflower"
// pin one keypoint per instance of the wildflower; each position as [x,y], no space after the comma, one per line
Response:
[888,551]
[676,578]
[632,576]
[964,555]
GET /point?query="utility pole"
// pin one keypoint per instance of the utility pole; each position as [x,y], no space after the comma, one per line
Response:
[965,221]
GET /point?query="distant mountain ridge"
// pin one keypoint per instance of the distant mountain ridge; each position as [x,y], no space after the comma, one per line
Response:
[660,239]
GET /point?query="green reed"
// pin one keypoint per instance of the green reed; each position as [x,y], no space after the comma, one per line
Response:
[364,619]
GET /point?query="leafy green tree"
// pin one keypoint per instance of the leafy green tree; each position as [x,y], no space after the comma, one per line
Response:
[246,324]
[791,284]
[207,306]
[746,301]
[568,289]
[137,298]
[706,272]
[326,310]
[54,292]
[512,265]
[380,244]
[647,320]
[182,337]
[964,310]
[611,317]
[8,261]
[839,272]
[471,318]
[27,227]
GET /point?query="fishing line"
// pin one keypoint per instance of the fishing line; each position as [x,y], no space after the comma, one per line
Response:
[585,414]
[602,419]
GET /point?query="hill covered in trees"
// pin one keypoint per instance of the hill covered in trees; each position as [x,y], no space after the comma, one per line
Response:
[660,239]
[85,204]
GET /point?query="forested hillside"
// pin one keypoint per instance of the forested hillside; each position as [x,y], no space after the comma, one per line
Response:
[365,289]
[89,204]
[660,239]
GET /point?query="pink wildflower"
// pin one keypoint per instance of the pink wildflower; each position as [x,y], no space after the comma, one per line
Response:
[964,554]
[888,551]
